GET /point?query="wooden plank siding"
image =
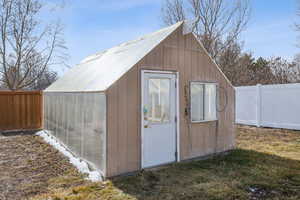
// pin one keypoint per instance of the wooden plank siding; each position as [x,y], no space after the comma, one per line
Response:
[21,110]
[183,54]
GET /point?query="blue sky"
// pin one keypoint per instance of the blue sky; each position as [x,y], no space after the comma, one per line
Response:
[94,25]
[271,30]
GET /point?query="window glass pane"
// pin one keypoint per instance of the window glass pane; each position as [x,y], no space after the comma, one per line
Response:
[210,102]
[159,100]
[197,102]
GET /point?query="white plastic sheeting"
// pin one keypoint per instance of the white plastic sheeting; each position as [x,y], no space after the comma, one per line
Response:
[99,71]
[81,165]
[276,106]
[78,120]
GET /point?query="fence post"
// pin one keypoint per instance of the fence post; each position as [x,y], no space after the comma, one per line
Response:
[258,105]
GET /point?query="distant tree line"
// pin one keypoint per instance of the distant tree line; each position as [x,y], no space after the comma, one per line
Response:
[244,69]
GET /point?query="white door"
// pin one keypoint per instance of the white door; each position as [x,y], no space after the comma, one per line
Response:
[158,118]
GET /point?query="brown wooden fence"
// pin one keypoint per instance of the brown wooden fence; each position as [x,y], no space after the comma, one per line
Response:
[21,110]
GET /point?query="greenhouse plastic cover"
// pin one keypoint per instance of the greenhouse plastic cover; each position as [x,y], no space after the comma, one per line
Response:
[99,71]
[78,120]
[80,164]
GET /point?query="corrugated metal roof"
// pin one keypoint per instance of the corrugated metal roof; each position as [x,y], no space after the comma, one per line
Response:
[99,71]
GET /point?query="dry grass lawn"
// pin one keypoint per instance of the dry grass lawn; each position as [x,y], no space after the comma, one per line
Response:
[265,165]
[280,142]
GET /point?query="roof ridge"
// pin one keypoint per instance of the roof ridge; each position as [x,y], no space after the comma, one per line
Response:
[98,71]
[128,42]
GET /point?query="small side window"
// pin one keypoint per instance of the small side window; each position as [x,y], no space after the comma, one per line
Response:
[203,101]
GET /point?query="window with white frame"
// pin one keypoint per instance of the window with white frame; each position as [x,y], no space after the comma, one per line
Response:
[203,101]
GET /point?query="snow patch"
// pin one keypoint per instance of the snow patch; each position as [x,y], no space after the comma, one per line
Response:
[81,165]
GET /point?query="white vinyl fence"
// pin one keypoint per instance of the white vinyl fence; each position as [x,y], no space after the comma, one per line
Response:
[276,106]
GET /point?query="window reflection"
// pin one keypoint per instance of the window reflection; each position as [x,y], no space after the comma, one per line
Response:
[159,100]
[203,101]
[197,102]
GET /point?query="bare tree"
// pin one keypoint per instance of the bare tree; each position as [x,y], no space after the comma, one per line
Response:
[218,23]
[235,64]
[27,47]
[173,11]
[296,69]
[275,70]
[286,71]
[45,80]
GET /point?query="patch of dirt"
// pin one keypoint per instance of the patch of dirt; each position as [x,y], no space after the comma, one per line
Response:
[26,165]
[260,193]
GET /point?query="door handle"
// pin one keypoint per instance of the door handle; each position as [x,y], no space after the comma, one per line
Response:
[146,126]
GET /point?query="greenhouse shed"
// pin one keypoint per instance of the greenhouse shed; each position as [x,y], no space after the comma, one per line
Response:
[145,103]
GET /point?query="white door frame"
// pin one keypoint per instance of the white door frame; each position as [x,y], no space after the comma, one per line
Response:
[177,111]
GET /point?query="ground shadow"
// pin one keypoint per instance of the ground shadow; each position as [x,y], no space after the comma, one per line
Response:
[16,133]
[242,174]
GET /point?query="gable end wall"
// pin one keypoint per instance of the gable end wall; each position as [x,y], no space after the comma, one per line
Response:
[180,53]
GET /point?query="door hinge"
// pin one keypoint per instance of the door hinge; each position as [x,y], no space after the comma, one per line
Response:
[176,155]
[175,119]
[175,84]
